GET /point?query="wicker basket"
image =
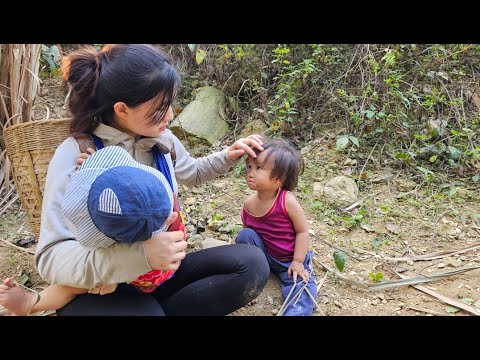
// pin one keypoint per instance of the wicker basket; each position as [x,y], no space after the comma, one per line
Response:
[30,147]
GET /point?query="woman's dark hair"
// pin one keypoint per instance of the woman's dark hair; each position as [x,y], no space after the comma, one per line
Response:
[287,164]
[131,73]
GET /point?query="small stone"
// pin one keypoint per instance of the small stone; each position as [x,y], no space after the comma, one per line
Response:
[189,201]
[44,91]
[451,262]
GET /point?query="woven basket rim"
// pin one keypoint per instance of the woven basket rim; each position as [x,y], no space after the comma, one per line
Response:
[29,123]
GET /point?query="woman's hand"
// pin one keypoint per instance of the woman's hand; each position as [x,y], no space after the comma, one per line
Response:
[245,145]
[166,250]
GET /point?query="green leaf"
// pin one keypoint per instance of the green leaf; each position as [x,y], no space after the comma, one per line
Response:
[354,140]
[367,227]
[423,170]
[452,309]
[342,142]
[433,158]
[216,216]
[200,55]
[401,156]
[340,258]
[376,277]
[453,191]
[24,278]
[454,153]
[376,242]
[192,47]
[476,178]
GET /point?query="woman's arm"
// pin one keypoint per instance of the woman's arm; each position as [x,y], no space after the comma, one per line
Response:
[192,171]
[59,258]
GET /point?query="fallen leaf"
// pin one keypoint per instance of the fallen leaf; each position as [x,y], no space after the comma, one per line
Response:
[26,241]
[347,171]
[340,258]
[367,227]
[392,228]
[452,309]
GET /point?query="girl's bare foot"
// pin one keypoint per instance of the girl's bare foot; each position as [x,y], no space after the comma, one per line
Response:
[15,299]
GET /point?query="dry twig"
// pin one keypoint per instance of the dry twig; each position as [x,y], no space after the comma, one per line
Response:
[457,303]
[16,247]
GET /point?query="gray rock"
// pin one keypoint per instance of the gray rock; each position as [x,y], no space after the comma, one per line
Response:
[339,191]
[203,117]
[210,242]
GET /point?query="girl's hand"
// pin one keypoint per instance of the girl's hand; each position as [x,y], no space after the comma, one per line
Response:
[83,156]
[245,145]
[296,269]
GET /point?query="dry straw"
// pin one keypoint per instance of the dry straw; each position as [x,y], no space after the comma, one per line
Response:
[19,64]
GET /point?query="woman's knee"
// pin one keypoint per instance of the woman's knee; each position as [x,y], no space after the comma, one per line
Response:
[255,262]
[256,271]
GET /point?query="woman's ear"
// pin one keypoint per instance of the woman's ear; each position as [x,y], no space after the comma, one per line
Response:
[120,109]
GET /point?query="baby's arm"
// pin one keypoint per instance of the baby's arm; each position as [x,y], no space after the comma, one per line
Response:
[297,215]
[55,297]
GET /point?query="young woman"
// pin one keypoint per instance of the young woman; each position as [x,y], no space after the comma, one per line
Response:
[122,96]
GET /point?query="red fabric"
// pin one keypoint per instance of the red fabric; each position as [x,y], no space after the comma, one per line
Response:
[150,281]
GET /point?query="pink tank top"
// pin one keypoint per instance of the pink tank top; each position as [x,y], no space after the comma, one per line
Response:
[275,228]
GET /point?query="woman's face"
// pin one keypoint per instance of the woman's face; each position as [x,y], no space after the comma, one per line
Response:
[137,121]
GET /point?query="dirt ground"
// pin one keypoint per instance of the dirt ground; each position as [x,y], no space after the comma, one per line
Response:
[400,216]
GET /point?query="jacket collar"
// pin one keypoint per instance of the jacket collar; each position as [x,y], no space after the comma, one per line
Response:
[113,136]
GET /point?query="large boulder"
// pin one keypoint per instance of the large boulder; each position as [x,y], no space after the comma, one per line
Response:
[203,117]
[339,191]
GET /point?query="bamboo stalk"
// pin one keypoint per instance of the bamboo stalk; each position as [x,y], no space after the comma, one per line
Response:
[19,81]
[447,300]
[437,255]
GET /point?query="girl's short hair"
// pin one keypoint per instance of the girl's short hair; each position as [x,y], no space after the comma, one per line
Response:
[285,161]
[129,73]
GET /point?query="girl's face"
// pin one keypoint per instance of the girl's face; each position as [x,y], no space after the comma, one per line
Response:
[258,174]
[137,121]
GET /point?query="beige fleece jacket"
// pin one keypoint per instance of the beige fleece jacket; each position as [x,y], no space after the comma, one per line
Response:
[60,259]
